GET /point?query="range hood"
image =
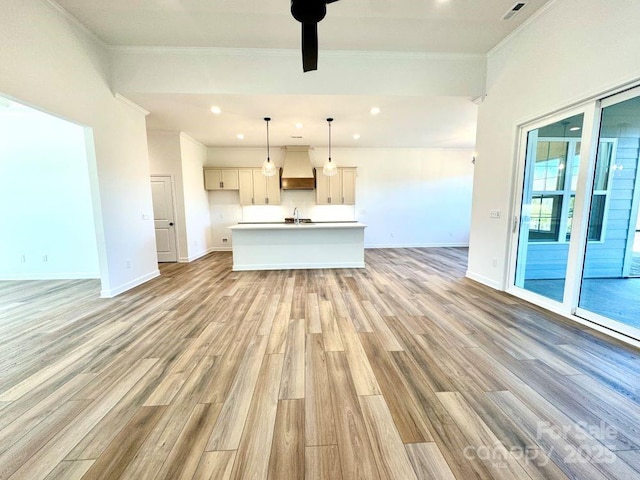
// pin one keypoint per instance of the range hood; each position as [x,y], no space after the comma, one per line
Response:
[298,173]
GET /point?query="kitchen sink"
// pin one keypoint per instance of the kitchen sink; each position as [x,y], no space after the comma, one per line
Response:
[301,220]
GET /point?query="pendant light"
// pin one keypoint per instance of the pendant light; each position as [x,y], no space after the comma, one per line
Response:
[268,168]
[329,168]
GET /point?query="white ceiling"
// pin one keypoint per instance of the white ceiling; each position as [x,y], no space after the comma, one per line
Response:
[430,26]
[439,122]
[451,26]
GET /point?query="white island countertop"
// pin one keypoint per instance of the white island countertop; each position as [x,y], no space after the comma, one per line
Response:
[283,246]
[287,226]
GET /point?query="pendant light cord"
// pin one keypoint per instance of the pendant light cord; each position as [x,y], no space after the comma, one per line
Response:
[267,120]
[329,120]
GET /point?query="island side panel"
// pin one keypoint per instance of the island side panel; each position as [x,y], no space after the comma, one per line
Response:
[298,248]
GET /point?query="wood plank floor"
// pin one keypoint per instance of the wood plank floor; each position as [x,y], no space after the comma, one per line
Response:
[404,370]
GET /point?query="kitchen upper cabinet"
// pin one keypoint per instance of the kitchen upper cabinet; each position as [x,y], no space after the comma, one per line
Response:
[339,189]
[246,186]
[266,190]
[349,186]
[221,179]
[256,189]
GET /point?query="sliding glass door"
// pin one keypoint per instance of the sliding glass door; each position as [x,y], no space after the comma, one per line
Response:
[551,174]
[610,287]
[576,231]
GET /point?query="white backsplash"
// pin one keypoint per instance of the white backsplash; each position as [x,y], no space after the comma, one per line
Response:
[305,200]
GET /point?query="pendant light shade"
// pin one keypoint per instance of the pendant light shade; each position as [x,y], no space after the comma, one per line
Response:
[268,168]
[329,168]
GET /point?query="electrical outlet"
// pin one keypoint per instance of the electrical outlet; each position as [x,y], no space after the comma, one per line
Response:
[494,262]
[45,258]
[494,213]
[128,264]
[225,239]
[23,258]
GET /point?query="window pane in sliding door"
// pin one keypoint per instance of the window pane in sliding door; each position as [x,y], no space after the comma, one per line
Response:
[611,275]
[551,171]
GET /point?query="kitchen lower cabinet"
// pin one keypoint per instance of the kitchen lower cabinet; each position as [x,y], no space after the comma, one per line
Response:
[256,189]
[339,189]
[221,178]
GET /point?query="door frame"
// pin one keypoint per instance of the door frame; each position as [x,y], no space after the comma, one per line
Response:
[588,315]
[592,111]
[171,178]
[516,232]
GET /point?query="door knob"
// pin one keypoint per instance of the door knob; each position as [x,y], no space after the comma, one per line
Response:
[171,224]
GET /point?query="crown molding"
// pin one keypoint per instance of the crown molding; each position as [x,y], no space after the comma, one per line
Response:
[77,23]
[131,104]
[282,52]
[192,140]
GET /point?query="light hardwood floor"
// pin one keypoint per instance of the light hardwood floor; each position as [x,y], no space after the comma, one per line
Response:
[405,370]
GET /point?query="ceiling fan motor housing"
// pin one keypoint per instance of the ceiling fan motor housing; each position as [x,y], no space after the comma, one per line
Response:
[308,11]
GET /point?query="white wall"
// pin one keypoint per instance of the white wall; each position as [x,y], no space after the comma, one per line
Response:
[407,196]
[45,199]
[165,158]
[571,51]
[49,63]
[182,157]
[277,71]
[196,200]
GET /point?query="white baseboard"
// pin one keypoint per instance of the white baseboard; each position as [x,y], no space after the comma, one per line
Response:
[296,266]
[199,254]
[483,280]
[222,249]
[51,276]
[415,245]
[112,292]
[196,256]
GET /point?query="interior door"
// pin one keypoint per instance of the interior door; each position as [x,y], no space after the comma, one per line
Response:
[164,218]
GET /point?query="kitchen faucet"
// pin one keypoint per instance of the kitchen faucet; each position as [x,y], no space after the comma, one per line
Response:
[296,216]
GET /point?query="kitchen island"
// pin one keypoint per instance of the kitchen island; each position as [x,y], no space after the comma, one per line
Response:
[284,246]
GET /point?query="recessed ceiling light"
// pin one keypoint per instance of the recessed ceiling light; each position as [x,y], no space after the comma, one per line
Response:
[299,125]
[216,109]
[356,136]
[375,110]
[574,129]
[240,136]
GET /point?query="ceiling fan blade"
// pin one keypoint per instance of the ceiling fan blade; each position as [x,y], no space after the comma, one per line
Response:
[309,46]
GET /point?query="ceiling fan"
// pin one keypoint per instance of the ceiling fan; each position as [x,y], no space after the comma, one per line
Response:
[309,13]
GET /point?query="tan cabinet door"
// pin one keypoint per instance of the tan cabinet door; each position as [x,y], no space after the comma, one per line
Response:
[259,188]
[245,184]
[349,186]
[212,179]
[221,179]
[273,189]
[335,188]
[322,188]
[230,179]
